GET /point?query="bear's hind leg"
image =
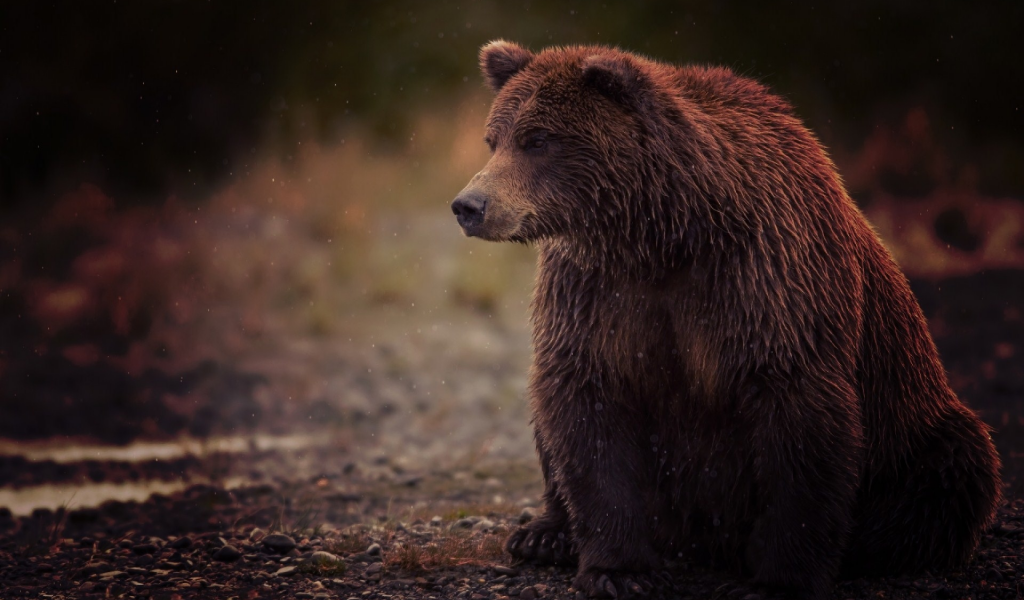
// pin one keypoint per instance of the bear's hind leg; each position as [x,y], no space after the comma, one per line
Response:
[929,512]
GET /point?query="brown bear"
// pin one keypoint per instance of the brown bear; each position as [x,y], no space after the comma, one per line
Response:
[728,364]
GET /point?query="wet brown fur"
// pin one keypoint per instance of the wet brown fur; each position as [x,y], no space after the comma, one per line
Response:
[728,363]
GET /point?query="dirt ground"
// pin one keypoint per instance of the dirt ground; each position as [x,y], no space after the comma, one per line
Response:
[435,534]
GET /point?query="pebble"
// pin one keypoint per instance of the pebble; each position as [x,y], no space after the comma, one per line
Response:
[503,570]
[373,569]
[483,525]
[436,521]
[279,542]
[373,549]
[285,571]
[144,548]
[181,543]
[322,557]
[527,515]
[144,560]
[97,566]
[227,553]
[257,534]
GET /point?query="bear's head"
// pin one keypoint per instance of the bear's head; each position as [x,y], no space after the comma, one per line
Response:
[566,136]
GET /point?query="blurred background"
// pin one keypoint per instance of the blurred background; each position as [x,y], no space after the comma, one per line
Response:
[224,227]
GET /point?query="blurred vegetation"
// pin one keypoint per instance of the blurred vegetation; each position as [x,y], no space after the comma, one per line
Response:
[146,99]
[232,216]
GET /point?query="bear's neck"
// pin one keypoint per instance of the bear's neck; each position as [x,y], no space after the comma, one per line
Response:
[608,259]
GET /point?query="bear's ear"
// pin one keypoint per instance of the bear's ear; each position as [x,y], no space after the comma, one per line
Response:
[500,60]
[616,77]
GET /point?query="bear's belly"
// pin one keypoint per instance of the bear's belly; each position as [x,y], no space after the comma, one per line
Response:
[707,491]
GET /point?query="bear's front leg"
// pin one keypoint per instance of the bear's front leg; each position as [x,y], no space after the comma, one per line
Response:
[808,447]
[592,439]
[547,539]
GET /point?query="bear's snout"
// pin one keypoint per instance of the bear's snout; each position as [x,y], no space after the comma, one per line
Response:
[469,208]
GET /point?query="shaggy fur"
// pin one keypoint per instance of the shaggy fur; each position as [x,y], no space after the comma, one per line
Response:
[728,363]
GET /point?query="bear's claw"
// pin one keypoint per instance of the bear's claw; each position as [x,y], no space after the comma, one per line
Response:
[542,541]
[741,591]
[620,585]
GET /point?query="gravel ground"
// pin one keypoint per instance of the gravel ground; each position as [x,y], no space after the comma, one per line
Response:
[365,537]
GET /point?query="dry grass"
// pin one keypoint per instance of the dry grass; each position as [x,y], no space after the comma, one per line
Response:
[324,569]
[447,550]
[350,542]
[40,536]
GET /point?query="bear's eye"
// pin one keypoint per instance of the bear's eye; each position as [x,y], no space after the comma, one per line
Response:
[490,143]
[535,143]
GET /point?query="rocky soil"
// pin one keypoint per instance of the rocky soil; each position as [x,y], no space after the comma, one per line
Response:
[367,538]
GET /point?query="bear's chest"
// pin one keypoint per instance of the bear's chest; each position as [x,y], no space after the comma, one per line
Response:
[651,334]
[623,329]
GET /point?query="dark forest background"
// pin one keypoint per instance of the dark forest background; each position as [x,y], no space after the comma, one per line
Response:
[144,99]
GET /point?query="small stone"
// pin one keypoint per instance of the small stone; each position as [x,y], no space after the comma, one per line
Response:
[527,515]
[113,575]
[322,557]
[181,543]
[464,523]
[373,549]
[503,570]
[528,593]
[436,521]
[285,571]
[303,595]
[144,548]
[144,560]
[227,554]
[92,567]
[257,534]
[373,569]
[483,525]
[279,542]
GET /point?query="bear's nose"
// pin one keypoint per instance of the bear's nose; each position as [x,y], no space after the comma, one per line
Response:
[469,208]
